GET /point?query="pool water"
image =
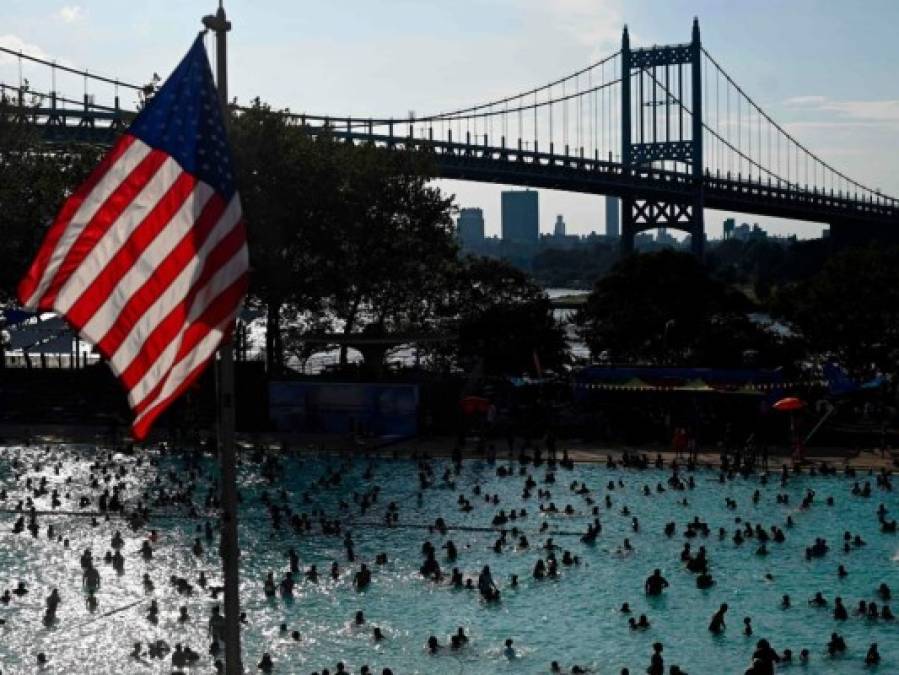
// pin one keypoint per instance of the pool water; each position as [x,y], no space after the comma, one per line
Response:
[573,619]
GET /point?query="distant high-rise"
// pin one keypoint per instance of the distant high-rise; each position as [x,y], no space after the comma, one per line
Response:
[521,222]
[729,226]
[559,228]
[470,227]
[613,217]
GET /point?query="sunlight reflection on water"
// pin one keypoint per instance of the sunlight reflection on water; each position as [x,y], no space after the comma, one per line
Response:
[573,619]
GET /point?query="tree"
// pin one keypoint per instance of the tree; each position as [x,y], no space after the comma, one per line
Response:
[288,184]
[574,268]
[850,309]
[665,308]
[35,178]
[391,244]
[345,237]
[503,320]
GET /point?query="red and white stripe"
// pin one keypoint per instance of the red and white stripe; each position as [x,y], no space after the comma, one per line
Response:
[149,264]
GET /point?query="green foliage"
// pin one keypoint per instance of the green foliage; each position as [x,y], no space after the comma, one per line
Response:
[763,265]
[502,318]
[574,268]
[35,178]
[288,187]
[665,308]
[391,243]
[341,236]
[850,309]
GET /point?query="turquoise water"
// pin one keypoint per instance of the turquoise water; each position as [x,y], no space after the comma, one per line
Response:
[573,619]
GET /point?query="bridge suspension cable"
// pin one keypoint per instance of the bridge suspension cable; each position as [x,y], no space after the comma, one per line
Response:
[83,73]
[755,138]
[747,144]
[530,92]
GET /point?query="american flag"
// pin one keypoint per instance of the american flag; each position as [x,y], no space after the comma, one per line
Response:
[147,259]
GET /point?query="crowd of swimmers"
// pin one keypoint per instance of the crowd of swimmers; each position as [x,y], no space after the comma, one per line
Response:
[108,493]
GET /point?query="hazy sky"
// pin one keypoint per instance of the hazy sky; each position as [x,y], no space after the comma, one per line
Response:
[825,69]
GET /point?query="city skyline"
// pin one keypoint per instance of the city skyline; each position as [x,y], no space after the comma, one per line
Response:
[322,58]
[715,229]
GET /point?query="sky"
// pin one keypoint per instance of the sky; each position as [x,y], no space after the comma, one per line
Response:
[825,69]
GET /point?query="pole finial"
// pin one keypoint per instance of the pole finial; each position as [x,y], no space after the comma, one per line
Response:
[696,28]
[625,38]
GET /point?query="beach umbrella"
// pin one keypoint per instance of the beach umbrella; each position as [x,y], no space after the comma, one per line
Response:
[789,404]
[474,404]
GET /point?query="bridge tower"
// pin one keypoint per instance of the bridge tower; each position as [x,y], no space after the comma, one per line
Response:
[657,84]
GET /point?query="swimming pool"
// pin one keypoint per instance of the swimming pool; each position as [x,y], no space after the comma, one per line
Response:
[573,619]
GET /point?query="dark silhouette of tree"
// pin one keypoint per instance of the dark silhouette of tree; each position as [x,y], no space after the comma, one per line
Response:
[35,178]
[288,184]
[503,321]
[850,309]
[665,308]
[351,234]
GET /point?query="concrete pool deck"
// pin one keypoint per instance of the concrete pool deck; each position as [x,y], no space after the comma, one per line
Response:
[442,446]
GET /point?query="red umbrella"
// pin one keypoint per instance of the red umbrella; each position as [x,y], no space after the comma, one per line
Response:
[789,404]
[474,404]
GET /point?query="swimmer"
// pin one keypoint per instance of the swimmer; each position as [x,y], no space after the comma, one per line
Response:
[655,583]
[657,663]
[461,636]
[839,611]
[265,664]
[872,658]
[717,624]
[837,645]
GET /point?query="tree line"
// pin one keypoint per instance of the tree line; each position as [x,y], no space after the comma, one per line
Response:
[348,240]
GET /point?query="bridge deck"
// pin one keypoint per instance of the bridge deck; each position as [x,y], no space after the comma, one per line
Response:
[533,168]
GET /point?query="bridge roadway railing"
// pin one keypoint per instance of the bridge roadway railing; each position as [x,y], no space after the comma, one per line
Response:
[579,173]
[768,198]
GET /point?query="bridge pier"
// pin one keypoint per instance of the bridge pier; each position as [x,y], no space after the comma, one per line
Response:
[697,231]
[628,231]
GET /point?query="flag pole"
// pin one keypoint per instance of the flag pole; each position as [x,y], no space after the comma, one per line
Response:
[230,549]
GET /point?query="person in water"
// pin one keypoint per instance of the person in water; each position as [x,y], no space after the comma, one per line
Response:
[717,625]
[655,583]
[486,587]
[656,662]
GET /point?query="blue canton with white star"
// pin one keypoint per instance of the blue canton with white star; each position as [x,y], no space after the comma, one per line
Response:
[184,120]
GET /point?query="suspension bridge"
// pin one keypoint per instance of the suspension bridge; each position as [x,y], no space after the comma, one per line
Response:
[664,128]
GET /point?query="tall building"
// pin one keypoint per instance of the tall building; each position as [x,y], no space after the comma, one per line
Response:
[470,227]
[559,228]
[729,226]
[613,217]
[521,222]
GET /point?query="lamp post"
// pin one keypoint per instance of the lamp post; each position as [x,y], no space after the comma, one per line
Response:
[230,550]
